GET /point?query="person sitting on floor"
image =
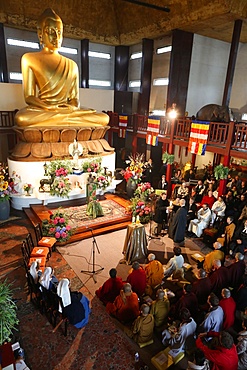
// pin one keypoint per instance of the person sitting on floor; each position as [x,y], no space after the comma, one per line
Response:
[219,277]
[181,338]
[74,305]
[126,305]
[154,273]
[200,362]
[224,355]
[160,308]
[143,326]
[213,320]
[111,288]
[228,306]
[201,287]
[187,300]
[216,254]
[137,279]
[241,347]
[236,271]
[174,266]
[48,280]
[202,221]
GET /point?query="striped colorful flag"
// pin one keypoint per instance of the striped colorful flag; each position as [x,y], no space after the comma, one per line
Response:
[123,121]
[153,131]
[198,137]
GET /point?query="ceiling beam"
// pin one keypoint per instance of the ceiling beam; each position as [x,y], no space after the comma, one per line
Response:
[153,6]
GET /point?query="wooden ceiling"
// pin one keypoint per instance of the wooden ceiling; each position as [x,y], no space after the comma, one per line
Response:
[118,22]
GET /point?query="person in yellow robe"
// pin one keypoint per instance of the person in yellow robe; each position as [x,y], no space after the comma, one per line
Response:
[51,83]
[160,308]
[216,254]
[154,273]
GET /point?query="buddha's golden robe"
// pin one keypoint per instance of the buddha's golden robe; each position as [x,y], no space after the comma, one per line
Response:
[57,92]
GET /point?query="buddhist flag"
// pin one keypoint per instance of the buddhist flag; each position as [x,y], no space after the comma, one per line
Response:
[153,131]
[123,121]
[198,137]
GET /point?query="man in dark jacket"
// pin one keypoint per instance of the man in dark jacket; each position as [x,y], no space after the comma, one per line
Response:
[178,227]
[160,214]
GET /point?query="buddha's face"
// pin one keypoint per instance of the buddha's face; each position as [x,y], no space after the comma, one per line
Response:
[52,33]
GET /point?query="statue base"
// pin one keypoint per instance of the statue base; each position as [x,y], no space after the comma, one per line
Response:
[37,143]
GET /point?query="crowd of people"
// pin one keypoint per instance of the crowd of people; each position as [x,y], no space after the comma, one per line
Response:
[206,317]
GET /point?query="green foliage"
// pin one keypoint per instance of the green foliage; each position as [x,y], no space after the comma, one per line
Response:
[8,316]
[168,158]
[221,172]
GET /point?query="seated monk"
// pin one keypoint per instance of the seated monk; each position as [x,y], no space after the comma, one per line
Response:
[56,80]
[154,273]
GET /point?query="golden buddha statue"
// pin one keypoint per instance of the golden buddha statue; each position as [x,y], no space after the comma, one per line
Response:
[51,83]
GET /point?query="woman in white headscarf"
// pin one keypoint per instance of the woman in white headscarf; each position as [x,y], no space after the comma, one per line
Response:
[74,305]
[34,271]
[48,280]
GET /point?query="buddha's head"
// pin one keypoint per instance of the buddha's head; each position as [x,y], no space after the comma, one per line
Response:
[50,30]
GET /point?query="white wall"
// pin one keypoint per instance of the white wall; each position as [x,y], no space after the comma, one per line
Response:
[12,98]
[239,86]
[207,73]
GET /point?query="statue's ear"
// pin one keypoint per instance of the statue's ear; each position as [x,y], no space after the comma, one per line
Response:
[39,33]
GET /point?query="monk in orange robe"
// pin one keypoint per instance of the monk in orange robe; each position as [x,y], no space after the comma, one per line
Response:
[126,306]
[154,273]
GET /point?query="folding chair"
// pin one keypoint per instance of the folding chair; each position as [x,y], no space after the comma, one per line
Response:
[44,241]
[33,290]
[36,251]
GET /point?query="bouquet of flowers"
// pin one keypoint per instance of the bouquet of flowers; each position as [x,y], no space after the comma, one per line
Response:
[141,209]
[60,187]
[27,187]
[5,189]
[102,182]
[58,168]
[57,226]
[143,190]
[93,166]
[14,181]
[135,168]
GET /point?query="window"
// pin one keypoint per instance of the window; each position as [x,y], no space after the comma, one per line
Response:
[99,83]
[161,81]
[136,83]
[165,49]
[136,55]
[23,44]
[15,76]
[96,54]
[66,50]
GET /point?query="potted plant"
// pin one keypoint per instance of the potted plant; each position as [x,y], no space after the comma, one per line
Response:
[221,172]
[8,316]
[168,158]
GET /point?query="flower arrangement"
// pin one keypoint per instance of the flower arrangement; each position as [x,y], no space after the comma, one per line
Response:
[102,182]
[14,181]
[5,188]
[92,166]
[58,168]
[141,209]
[57,226]
[143,190]
[135,168]
[60,187]
[27,187]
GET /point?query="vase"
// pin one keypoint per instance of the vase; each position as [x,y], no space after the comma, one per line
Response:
[4,209]
[27,193]
[130,188]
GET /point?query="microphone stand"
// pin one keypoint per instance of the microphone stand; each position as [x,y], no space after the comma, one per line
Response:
[93,272]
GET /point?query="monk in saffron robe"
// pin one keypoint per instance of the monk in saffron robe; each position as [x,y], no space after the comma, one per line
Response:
[126,306]
[111,288]
[154,273]
[51,83]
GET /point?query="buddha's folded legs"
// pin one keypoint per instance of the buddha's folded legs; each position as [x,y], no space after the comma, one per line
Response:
[37,117]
